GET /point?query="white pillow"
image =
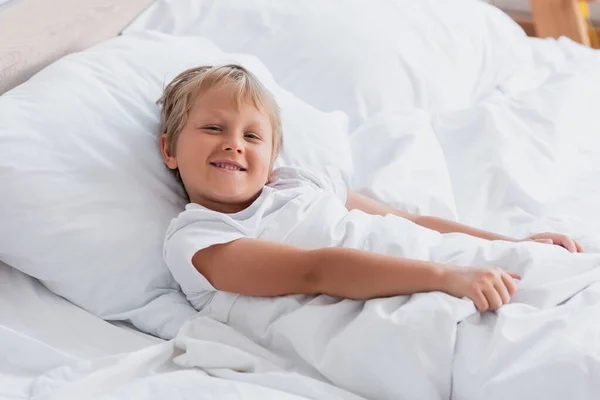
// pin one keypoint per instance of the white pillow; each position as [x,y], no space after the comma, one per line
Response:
[85,196]
[360,56]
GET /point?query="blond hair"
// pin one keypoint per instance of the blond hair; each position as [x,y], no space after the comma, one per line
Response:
[179,96]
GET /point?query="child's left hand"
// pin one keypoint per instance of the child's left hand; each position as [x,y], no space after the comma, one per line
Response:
[557,239]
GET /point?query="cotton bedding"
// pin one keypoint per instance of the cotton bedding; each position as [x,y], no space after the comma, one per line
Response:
[430,345]
[522,158]
[518,162]
[40,331]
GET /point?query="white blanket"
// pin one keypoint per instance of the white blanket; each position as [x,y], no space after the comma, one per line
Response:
[526,158]
[522,160]
[428,346]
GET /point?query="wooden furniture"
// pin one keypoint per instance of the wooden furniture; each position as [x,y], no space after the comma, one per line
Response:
[555,18]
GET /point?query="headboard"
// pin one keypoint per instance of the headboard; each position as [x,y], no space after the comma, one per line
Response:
[35,33]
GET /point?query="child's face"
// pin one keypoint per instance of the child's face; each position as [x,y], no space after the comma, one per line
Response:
[223,152]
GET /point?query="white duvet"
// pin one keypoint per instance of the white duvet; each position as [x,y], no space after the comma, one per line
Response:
[425,346]
[523,159]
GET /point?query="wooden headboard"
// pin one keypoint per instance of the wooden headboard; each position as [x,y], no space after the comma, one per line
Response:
[35,33]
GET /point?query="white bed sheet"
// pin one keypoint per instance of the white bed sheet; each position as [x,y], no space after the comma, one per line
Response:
[40,331]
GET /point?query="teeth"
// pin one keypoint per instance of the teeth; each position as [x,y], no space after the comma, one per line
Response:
[228,167]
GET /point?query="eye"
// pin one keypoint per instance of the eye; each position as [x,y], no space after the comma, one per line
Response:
[212,128]
[252,136]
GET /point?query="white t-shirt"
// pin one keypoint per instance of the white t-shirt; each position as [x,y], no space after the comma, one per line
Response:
[291,209]
[300,208]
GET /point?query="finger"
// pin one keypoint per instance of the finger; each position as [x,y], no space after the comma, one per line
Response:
[493,298]
[569,244]
[480,301]
[502,290]
[514,276]
[509,283]
[579,247]
[545,241]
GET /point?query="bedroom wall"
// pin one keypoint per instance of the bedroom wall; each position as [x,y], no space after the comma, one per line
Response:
[75,25]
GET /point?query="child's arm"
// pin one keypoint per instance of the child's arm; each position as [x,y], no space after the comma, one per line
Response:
[258,268]
[361,202]
[371,206]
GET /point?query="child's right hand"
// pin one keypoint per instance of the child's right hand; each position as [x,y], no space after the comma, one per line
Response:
[488,287]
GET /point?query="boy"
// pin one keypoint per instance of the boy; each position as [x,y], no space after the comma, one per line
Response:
[252,230]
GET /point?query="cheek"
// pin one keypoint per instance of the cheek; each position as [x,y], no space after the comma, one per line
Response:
[192,150]
[263,156]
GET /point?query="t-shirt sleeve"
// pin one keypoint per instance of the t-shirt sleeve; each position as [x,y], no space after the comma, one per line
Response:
[194,230]
[329,178]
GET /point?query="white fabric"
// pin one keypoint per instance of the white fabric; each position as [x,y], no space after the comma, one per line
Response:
[86,198]
[163,372]
[523,159]
[425,346]
[359,56]
[287,211]
[526,160]
[40,331]
[400,162]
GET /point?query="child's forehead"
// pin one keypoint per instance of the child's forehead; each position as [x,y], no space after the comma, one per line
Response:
[223,94]
[220,90]
[225,98]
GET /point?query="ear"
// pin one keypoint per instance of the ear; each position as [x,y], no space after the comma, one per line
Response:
[169,160]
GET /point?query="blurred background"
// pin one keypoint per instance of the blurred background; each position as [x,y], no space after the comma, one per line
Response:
[523,6]
[577,19]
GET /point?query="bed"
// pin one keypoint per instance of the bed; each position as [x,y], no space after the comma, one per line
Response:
[52,348]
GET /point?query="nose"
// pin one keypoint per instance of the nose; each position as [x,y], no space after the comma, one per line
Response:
[233,144]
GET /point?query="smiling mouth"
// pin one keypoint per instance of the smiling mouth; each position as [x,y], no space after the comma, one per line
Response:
[228,167]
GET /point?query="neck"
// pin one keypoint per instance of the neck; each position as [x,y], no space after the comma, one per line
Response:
[224,207]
